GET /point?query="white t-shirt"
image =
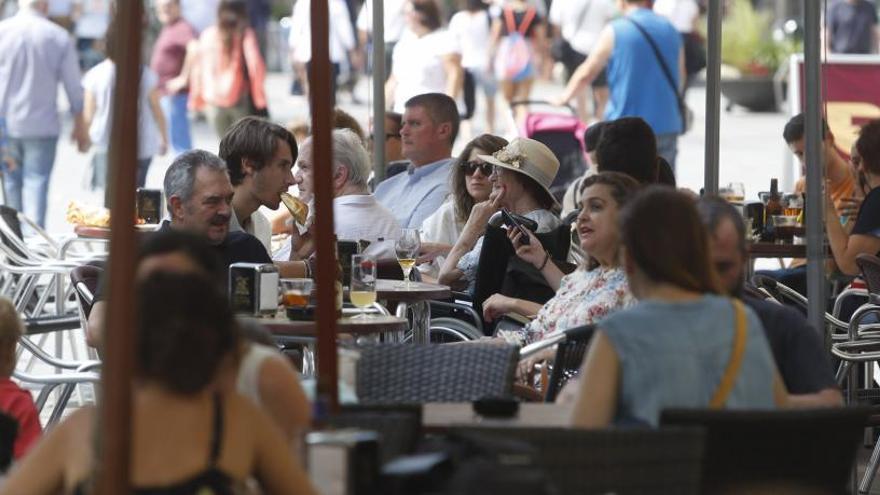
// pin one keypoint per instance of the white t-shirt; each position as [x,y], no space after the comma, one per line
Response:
[473,31]
[443,228]
[341,33]
[99,81]
[418,65]
[360,216]
[199,13]
[681,13]
[258,226]
[595,13]
[395,19]
[94,19]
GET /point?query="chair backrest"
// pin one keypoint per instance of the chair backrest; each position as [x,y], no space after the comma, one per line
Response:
[10,231]
[415,374]
[8,435]
[569,358]
[501,271]
[85,282]
[796,449]
[624,461]
[398,427]
[869,265]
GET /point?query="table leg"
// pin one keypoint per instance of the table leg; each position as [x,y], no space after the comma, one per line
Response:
[421,322]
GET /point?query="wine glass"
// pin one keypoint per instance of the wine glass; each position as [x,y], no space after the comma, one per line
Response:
[407,248]
[363,282]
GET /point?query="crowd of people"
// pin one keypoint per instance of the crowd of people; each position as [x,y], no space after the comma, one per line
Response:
[646,256]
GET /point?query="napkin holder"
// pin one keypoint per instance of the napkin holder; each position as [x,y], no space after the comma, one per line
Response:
[253,288]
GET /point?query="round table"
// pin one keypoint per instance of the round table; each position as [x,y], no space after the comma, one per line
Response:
[282,326]
[414,297]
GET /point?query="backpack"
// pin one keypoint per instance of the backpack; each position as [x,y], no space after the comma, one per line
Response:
[513,62]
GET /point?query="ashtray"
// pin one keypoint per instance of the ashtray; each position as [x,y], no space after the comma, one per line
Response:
[301,313]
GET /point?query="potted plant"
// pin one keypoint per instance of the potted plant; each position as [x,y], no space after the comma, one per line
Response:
[750,56]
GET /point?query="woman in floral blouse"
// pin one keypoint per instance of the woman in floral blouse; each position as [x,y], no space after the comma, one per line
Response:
[589,293]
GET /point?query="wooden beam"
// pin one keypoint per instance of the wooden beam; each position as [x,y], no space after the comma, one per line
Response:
[322,157]
[115,407]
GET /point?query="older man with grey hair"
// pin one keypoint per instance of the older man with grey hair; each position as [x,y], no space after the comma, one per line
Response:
[357,215]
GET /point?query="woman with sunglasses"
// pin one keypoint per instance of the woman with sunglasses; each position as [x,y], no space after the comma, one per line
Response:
[470,185]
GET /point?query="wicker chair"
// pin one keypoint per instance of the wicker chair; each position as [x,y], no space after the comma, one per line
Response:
[569,358]
[800,451]
[585,462]
[397,426]
[414,374]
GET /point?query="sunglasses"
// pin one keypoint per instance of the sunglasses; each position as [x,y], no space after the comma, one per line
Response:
[472,166]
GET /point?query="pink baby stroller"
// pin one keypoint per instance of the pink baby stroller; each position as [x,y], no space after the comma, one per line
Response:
[559,128]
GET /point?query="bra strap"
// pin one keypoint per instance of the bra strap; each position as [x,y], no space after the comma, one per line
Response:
[217,434]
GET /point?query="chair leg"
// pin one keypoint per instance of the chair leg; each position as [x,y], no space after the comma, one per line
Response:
[61,403]
[870,470]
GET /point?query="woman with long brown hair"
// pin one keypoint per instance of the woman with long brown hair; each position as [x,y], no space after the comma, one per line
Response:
[683,344]
[228,70]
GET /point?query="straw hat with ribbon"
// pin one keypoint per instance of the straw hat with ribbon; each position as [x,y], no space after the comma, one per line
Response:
[530,158]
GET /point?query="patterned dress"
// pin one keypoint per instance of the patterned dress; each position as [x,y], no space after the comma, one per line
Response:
[584,297]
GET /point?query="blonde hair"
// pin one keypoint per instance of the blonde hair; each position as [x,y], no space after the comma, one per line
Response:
[11,330]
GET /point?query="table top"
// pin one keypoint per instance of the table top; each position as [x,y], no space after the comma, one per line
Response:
[283,326]
[395,291]
[92,232]
[442,415]
[777,250]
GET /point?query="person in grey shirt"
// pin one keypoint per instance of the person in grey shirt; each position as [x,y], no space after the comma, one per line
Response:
[36,55]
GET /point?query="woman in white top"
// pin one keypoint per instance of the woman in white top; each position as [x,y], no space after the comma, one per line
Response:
[426,60]
[98,84]
[470,185]
[473,26]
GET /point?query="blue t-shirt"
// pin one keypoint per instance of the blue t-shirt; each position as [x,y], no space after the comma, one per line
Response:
[674,355]
[635,77]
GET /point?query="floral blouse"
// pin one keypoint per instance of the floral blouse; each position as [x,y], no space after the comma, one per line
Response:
[584,297]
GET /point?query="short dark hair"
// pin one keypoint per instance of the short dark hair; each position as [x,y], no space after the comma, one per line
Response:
[441,109]
[794,129]
[462,201]
[193,246]
[254,138]
[665,173]
[185,331]
[665,238]
[591,137]
[429,13]
[628,145]
[473,5]
[868,146]
[714,210]
[344,120]
[396,118]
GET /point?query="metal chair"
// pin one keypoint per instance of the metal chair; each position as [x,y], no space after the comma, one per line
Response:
[623,461]
[570,355]
[414,374]
[809,451]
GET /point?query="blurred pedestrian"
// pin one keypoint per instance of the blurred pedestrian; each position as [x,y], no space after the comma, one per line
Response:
[228,72]
[37,56]
[516,38]
[851,27]
[92,18]
[169,62]
[394,24]
[472,26]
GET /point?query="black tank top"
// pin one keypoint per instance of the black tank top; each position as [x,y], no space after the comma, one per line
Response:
[211,481]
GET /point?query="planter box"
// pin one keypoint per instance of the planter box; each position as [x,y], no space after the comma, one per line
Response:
[752,92]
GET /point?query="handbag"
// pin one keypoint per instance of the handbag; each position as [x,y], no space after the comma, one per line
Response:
[561,49]
[685,113]
[728,379]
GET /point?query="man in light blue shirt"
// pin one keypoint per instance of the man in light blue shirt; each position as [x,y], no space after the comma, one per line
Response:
[430,126]
[35,55]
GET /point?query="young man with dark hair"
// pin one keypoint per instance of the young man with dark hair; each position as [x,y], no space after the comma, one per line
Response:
[260,156]
[627,145]
[430,126]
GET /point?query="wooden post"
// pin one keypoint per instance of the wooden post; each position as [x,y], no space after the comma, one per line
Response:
[322,157]
[115,409]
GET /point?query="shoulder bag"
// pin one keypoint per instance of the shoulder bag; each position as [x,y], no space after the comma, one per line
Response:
[728,379]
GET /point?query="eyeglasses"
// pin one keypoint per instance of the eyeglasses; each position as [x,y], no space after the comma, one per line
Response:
[472,166]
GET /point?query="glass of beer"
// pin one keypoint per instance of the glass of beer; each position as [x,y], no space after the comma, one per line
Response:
[407,248]
[363,282]
[296,292]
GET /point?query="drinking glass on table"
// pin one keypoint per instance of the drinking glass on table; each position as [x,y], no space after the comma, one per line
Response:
[407,248]
[362,291]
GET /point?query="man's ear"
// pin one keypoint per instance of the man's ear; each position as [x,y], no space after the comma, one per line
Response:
[444,130]
[248,166]
[175,205]
[340,177]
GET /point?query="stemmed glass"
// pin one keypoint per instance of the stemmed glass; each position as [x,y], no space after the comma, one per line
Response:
[407,248]
[363,282]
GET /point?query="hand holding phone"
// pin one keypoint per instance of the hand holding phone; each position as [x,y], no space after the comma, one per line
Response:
[511,222]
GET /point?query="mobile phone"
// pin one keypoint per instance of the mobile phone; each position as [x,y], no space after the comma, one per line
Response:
[512,222]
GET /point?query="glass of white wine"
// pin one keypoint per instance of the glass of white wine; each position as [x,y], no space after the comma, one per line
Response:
[407,248]
[363,282]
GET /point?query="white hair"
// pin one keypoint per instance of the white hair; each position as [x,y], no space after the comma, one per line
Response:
[348,152]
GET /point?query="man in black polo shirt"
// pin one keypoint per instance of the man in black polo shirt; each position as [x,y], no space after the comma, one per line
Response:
[797,347]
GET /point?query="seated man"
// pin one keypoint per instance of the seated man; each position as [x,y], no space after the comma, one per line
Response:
[797,347]
[356,213]
[841,188]
[628,145]
[259,156]
[430,126]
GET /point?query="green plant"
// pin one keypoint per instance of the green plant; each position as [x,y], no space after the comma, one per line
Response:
[747,42]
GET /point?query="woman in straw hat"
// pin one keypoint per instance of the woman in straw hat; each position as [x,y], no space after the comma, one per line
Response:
[521,178]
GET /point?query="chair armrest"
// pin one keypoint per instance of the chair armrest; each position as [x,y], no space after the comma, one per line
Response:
[58,379]
[478,318]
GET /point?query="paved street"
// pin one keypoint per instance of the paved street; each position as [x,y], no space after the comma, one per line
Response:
[752,150]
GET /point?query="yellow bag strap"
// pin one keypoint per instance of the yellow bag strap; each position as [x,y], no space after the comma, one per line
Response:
[719,398]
